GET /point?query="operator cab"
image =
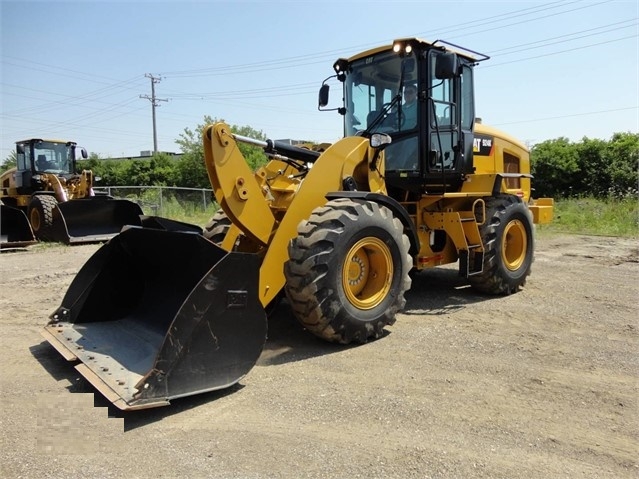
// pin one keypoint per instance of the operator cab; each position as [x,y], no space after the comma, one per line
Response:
[36,156]
[421,95]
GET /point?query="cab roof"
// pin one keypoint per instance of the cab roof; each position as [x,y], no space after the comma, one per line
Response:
[468,54]
[30,140]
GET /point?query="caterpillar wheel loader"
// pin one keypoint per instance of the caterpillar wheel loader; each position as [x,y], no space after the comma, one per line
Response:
[160,313]
[45,198]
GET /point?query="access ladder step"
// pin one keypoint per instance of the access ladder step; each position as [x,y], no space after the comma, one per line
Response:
[473,266]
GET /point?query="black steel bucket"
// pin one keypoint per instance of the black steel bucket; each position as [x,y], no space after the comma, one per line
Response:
[93,219]
[15,230]
[155,315]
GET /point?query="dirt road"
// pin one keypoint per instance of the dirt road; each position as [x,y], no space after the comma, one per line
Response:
[540,384]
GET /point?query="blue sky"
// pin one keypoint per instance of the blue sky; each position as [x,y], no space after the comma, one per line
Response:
[76,70]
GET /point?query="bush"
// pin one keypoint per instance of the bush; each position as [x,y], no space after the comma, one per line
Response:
[596,168]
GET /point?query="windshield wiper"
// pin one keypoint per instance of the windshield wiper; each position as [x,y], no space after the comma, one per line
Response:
[396,101]
[382,114]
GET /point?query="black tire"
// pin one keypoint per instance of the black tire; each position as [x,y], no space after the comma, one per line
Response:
[348,271]
[216,229]
[509,245]
[40,214]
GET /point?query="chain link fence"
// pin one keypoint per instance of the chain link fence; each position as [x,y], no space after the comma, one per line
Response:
[193,205]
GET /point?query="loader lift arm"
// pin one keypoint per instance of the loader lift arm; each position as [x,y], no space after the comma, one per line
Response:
[247,203]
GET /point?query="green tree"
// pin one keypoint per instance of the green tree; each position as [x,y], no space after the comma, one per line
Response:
[192,167]
[595,177]
[592,167]
[9,162]
[164,170]
[113,173]
[254,155]
[622,157]
[191,172]
[554,165]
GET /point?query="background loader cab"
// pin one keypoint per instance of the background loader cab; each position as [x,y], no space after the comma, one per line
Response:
[35,157]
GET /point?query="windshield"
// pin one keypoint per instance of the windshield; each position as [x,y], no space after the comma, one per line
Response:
[373,93]
[52,157]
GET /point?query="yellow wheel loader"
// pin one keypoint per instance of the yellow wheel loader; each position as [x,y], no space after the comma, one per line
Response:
[45,198]
[160,312]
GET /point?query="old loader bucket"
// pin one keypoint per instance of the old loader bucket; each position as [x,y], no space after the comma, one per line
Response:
[15,230]
[155,315]
[93,219]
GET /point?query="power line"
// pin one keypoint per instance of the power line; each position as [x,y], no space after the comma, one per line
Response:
[308,59]
[304,88]
[315,58]
[53,105]
[567,116]
[565,36]
[501,27]
[560,51]
[225,70]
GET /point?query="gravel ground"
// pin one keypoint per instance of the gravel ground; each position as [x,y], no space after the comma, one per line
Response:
[540,384]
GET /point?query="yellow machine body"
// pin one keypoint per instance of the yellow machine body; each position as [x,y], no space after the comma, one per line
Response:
[175,311]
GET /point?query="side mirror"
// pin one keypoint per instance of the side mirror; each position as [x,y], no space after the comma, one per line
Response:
[380,140]
[84,154]
[446,65]
[323,96]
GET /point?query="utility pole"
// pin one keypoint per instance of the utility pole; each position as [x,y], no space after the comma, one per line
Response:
[154,104]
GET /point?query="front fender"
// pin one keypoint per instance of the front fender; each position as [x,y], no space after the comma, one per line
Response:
[348,157]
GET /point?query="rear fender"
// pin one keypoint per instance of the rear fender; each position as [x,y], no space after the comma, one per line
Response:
[395,206]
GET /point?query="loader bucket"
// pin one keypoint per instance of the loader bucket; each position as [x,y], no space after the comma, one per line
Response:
[155,315]
[158,222]
[94,219]
[15,230]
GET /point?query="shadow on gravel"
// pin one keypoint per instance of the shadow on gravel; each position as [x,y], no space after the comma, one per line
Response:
[433,292]
[440,291]
[143,417]
[62,370]
[287,342]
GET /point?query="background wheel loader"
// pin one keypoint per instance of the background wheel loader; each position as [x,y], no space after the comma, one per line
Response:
[46,198]
[159,313]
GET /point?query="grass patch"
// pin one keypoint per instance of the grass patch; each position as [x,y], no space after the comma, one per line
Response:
[188,212]
[590,216]
[612,217]
[199,218]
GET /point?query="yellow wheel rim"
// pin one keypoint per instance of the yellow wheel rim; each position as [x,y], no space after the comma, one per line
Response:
[514,245]
[367,273]
[34,219]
